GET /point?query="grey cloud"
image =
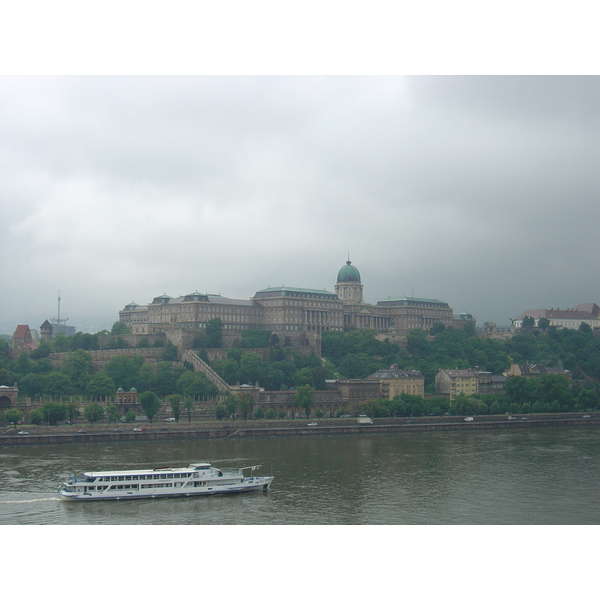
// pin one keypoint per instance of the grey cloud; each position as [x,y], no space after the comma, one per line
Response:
[477,190]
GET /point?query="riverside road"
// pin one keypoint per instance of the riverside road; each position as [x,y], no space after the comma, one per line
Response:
[103,433]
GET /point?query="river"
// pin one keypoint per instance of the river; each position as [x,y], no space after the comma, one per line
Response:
[530,476]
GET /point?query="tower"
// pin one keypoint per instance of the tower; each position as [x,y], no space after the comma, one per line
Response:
[348,287]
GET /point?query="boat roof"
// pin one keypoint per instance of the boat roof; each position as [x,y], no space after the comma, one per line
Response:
[148,471]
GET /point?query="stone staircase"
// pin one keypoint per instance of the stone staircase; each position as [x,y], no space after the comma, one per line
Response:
[200,365]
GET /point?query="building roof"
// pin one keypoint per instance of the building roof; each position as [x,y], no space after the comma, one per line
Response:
[348,273]
[289,291]
[396,374]
[407,301]
[20,332]
[557,313]
[459,372]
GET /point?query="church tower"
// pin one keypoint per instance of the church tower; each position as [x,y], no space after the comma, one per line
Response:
[348,287]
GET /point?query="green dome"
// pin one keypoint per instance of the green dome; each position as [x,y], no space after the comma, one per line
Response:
[348,273]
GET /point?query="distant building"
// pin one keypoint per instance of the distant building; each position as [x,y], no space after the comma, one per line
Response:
[452,382]
[8,396]
[293,310]
[394,382]
[530,371]
[23,340]
[46,331]
[570,318]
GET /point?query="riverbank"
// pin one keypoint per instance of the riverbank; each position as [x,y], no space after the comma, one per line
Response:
[105,433]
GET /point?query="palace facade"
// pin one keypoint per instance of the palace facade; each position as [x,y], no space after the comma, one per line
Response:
[288,309]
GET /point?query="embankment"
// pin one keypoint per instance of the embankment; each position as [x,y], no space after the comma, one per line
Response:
[251,429]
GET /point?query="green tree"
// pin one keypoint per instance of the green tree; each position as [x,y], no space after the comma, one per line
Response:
[528,321]
[78,367]
[543,323]
[214,333]
[231,403]
[100,386]
[150,404]
[305,395]
[169,353]
[221,411]
[32,385]
[13,415]
[113,413]
[72,411]
[93,412]
[123,370]
[119,328]
[53,412]
[246,404]
[188,405]
[56,384]
[252,368]
[176,401]
[36,417]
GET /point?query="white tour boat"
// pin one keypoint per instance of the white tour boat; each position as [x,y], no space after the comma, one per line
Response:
[196,480]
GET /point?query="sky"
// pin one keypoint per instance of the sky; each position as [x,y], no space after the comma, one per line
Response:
[478,190]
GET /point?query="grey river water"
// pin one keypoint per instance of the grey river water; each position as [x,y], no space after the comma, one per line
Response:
[529,476]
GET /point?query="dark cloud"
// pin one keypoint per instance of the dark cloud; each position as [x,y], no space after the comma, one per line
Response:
[476,190]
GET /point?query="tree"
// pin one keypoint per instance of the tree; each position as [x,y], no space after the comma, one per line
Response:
[175,400]
[123,370]
[99,386]
[150,404]
[221,411]
[528,321]
[437,328]
[77,366]
[230,403]
[119,328]
[252,368]
[169,353]
[56,384]
[13,415]
[36,417]
[246,405]
[306,398]
[543,323]
[72,411]
[214,333]
[188,405]
[93,412]
[53,412]
[113,413]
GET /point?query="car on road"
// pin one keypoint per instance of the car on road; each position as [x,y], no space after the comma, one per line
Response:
[170,420]
[82,431]
[23,433]
[586,416]
[117,430]
[313,424]
[139,429]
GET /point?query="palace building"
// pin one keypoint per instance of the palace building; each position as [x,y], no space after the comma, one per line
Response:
[289,309]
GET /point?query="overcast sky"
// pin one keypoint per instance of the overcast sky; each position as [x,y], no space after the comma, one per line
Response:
[480,191]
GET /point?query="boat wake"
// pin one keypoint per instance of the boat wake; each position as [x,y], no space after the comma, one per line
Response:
[28,501]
